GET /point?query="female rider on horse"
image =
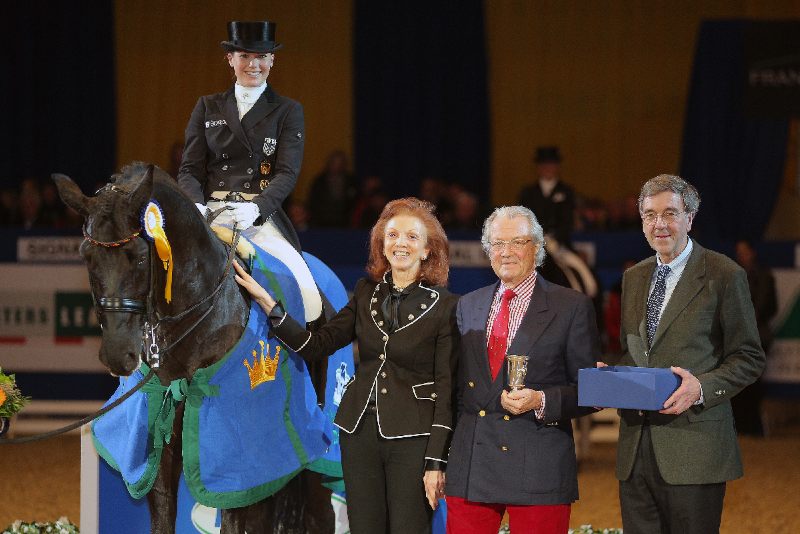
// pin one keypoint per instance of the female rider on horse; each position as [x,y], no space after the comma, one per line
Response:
[395,416]
[243,151]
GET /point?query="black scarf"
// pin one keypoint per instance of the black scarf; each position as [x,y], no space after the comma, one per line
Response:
[391,307]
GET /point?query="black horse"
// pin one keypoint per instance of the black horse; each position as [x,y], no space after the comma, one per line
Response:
[206,315]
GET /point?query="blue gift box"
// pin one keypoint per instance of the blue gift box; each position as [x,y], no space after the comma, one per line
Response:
[638,388]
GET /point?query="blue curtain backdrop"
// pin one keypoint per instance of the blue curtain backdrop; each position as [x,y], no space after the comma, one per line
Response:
[735,161]
[421,94]
[58,91]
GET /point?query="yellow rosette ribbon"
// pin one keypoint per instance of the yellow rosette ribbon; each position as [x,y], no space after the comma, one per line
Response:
[153,222]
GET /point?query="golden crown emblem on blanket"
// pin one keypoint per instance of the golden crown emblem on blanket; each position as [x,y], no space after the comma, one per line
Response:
[264,368]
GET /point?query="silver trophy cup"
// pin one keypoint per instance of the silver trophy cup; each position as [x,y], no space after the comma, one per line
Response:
[517,368]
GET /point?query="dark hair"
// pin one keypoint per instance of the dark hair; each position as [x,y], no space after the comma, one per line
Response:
[667,182]
[436,267]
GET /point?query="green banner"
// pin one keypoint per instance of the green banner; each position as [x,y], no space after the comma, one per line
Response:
[74,315]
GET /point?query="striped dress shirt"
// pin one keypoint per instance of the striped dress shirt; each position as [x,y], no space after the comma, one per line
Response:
[516,308]
[516,312]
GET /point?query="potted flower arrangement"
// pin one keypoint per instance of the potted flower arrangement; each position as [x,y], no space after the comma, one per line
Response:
[11,400]
[62,526]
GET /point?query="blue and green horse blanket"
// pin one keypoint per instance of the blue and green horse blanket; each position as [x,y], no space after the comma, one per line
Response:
[251,420]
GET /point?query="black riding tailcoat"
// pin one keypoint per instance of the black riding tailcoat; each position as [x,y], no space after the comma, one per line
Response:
[411,369]
[260,154]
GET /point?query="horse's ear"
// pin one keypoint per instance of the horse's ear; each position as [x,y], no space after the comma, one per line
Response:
[144,191]
[71,194]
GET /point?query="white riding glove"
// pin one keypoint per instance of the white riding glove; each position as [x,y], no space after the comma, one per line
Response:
[244,213]
[203,209]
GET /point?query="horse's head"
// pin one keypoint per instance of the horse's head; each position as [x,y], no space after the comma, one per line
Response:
[118,259]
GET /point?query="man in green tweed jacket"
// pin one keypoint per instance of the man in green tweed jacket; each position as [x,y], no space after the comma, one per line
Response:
[687,308]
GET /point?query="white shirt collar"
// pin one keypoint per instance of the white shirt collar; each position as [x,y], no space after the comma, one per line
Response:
[248,95]
[547,186]
[682,258]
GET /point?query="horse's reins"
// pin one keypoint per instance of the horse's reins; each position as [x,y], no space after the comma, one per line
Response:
[80,423]
[127,305]
[155,356]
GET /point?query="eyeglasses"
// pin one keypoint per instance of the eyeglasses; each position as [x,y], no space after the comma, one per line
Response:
[515,244]
[668,217]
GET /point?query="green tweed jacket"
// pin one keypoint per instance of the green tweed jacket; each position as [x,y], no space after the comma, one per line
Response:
[708,328]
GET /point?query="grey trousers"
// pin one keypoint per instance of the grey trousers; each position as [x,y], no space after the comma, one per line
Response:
[651,506]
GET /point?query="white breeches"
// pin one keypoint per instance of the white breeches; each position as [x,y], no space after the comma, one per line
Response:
[268,237]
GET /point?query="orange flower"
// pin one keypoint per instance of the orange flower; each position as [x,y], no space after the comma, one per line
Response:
[2,396]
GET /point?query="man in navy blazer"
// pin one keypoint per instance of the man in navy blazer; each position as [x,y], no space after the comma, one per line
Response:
[513,451]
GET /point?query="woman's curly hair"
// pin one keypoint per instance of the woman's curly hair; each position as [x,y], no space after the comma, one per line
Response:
[436,267]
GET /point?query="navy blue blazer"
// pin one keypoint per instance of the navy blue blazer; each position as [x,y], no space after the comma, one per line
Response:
[501,458]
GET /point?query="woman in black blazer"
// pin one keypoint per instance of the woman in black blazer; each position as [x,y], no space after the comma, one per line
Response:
[395,416]
[243,151]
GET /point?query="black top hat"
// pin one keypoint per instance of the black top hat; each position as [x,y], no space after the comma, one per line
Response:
[251,37]
[547,154]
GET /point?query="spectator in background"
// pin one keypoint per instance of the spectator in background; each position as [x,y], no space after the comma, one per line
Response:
[333,194]
[9,207]
[549,198]
[370,203]
[53,211]
[465,213]
[30,204]
[623,214]
[435,191]
[432,190]
[612,315]
[747,404]
[592,214]
[298,214]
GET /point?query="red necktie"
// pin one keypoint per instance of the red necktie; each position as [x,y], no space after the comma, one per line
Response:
[498,339]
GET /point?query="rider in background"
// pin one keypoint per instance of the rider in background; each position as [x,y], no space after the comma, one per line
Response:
[243,151]
[395,416]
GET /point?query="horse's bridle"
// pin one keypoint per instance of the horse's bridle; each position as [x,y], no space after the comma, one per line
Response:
[128,305]
[154,319]
[115,304]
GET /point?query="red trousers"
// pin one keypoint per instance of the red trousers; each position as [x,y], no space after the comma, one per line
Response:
[469,517]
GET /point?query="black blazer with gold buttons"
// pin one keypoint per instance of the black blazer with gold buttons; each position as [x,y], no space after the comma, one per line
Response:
[519,459]
[261,154]
[410,369]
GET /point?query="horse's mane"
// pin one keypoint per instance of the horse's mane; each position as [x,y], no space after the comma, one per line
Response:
[183,221]
[165,191]
[130,174]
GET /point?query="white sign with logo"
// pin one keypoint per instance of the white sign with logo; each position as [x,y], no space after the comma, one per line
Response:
[467,254]
[49,249]
[44,317]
